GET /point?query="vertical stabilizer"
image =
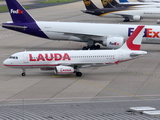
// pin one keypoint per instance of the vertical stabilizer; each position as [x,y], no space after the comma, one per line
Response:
[90,5]
[18,12]
[109,3]
[135,40]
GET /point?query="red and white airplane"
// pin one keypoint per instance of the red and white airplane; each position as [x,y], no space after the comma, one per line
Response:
[68,62]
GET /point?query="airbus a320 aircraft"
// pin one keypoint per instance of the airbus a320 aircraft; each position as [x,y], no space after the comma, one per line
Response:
[68,62]
[110,35]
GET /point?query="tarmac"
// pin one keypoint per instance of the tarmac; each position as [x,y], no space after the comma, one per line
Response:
[135,82]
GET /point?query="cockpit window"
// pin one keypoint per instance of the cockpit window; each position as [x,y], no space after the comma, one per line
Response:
[13,57]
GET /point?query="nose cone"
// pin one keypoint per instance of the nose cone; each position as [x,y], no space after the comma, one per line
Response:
[6,62]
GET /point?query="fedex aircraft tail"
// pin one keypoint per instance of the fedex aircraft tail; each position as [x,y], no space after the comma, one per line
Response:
[123,1]
[18,12]
[109,3]
[22,21]
[90,5]
[135,40]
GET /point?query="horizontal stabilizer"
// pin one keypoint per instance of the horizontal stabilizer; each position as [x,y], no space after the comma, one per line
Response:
[87,11]
[134,54]
[14,26]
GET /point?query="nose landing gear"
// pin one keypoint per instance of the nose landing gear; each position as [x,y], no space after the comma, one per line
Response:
[23,73]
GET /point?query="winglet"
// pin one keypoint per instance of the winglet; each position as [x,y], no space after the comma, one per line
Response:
[90,5]
[135,40]
[18,12]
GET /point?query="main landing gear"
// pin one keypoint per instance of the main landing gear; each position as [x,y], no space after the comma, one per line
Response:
[78,74]
[91,45]
[76,68]
[23,73]
[126,19]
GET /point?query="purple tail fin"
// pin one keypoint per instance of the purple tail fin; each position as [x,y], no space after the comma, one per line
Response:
[18,12]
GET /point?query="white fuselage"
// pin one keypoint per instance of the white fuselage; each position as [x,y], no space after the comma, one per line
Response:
[148,13]
[146,3]
[77,31]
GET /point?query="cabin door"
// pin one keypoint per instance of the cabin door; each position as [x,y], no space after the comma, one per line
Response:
[25,58]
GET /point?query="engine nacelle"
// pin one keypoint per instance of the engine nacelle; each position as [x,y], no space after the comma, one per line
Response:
[136,18]
[64,70]
[113,42]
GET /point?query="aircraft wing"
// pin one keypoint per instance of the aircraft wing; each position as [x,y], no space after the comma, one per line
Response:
[84,36]
[83,65]
[125,15]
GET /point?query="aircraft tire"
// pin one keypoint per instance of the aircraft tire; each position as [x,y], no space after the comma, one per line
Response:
[126,20]
[84,48]
[23,74]
[97,46]
[93,47]
[78,74]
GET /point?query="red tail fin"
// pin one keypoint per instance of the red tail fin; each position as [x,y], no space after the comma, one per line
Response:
[134,41]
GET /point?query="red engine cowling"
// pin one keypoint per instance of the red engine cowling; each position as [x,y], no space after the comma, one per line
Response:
[64,70]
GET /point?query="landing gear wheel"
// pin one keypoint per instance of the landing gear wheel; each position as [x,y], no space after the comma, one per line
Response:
[93,47]
[78,74]
[84,48]
[97,46]
[126,20]
[23,74]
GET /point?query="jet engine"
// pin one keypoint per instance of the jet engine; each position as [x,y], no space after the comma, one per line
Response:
[136,18]
[113,42]
[64,70]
